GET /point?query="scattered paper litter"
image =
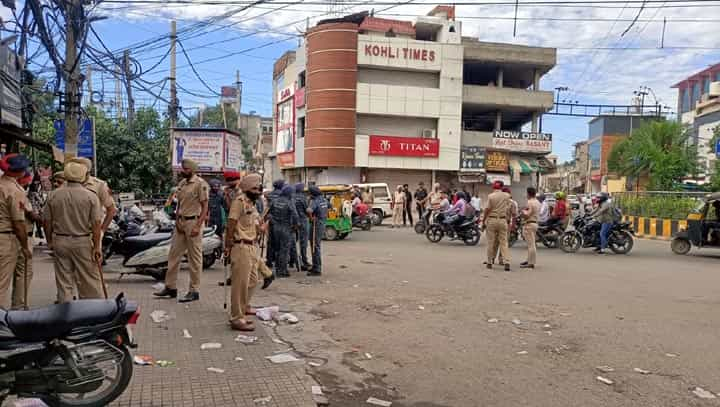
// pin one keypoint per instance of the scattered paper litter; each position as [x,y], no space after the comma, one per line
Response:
[378,402]
[210,345]
[703,394]
[238,359]
[671,355]
[493,320]
[420,307]
[314,364]
[405,281]
[547,326]
[604,380]
[368,356]
[246,339]
[289,318]
[325,302]
[159,286]
[143,360]
[522,352]
[356,285]
[267,313]
[516,302]
[282,358]
[164,363]
[186,334]
[278,341]
[159,316]
[215,370]
[263,400]
[316,390]
[516,321]
[565,314]
[641,371]
[606,369]
[29,403]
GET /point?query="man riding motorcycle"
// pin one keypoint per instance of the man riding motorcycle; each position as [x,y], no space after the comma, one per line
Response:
[603,214]
[559,213]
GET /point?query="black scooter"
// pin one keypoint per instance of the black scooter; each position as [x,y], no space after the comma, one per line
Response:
[71,354]
[362,221]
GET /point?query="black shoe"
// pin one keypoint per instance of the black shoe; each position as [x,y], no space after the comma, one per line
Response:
[597,250]
[507,267]
[190,296]
[313,273]
[167,293]
[306,267]
[224,283]
[525,265]
[489,266]
[267,282]
[601,252]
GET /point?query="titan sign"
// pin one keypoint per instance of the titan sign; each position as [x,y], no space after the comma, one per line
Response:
[523,141]
[387,51]
[404,146]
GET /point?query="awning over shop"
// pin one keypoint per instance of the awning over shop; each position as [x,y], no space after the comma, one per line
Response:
[529,165]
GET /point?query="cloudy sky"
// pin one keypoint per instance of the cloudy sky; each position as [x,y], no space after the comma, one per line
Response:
[596,62]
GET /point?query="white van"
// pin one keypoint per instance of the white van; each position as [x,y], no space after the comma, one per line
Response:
[382,200]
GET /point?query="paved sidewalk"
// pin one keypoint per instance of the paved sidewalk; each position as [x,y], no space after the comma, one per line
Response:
[189,383]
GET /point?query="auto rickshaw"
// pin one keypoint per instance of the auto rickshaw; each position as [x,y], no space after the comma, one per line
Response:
[338,225]
[703,227]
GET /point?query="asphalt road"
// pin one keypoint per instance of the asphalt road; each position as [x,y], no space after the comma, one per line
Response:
[402,319]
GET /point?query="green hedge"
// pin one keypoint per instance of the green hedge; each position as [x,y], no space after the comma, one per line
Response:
[667,207]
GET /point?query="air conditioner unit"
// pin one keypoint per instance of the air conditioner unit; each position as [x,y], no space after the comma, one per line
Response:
[714,89]
[428,133]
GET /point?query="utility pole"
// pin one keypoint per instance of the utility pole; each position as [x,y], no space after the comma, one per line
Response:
[173,89]
[238,86]
[118,94]
[88,78]
[128,88]
[72,78]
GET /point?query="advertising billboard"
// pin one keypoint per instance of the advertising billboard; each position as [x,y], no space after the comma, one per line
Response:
[404,146]
[522,141]
[206,148]
[233,152]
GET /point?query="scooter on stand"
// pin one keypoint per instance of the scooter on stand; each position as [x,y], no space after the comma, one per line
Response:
[153,261]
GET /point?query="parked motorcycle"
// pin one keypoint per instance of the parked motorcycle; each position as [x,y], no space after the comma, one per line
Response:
[546,234]
[468,230]
[128,239]
[153,261]
[586,233]
[71,354]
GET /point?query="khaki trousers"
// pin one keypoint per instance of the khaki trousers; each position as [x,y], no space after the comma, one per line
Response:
[74,264]
[9,248]
[497,237]
[530,233]
[23,272]
[244,261]
[397,215]
[181,244]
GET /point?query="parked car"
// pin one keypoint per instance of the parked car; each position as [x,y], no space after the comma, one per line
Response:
[382,200]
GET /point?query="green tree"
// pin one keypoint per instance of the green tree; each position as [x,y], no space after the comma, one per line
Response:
[658,149]
[715,170]
[212,117]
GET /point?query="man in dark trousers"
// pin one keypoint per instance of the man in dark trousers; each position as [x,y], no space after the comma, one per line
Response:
[271,254]
[302,229]
[317,211]
[284,218]
[216,208]
[421,195]
[407,214]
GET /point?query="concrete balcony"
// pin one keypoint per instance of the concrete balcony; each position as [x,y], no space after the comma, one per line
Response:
[509,54]
[507,98]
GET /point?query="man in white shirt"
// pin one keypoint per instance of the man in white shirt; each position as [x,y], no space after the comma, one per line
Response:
[544,209]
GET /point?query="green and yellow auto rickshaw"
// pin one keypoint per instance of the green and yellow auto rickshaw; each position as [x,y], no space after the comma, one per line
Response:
[703,227]
[338,225]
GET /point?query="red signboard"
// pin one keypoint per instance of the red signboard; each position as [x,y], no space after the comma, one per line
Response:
[300,98]
[286,160]
[404,146]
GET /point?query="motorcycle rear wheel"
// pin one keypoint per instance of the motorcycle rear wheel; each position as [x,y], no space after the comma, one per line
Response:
[570,242]
[621,242]
[117,386]
[420,227]
[512,238]
[434,233]
[472,236]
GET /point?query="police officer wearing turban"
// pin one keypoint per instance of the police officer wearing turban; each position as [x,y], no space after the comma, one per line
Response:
[101,189]
[192,210]
[317,210]
[13,231]
[284,218]
[243,230]
[72,216]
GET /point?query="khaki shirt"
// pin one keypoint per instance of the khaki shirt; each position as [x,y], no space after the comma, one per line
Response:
[102,190]
[244,212]
[499,204]
[191,193]
[12,203]
[532,212]
[72,210]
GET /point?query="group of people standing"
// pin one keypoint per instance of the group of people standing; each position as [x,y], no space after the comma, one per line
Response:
[74,216]
[243,216]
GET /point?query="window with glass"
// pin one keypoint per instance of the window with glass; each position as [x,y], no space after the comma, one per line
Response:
[594,152]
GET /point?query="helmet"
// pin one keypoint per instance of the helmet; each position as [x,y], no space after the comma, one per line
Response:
[603,196]
[559,195]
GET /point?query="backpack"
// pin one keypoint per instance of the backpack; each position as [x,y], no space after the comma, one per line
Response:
[616,213]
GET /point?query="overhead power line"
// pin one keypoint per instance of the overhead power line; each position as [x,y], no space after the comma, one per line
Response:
[396,3]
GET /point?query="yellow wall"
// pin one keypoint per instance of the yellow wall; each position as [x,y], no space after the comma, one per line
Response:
[616,185]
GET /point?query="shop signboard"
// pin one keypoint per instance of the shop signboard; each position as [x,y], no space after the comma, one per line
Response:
[404,146]
[86,137]
[233,152]
[496,161]
[717,148]
[522,141]
[286,160]
[203,147]
[505,178]
[472,159]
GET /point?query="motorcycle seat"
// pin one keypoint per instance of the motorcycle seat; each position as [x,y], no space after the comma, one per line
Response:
[57,320]
[148,240]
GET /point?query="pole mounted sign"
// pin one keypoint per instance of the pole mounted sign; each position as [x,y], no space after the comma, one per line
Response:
[522,141]
[404,146]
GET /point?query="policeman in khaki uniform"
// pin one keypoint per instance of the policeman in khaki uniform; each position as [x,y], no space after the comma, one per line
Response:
[13,233]
[23,268]
[58,179]
[192,209]
[101,189]
[495,219]
[72,216]
[243,230]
